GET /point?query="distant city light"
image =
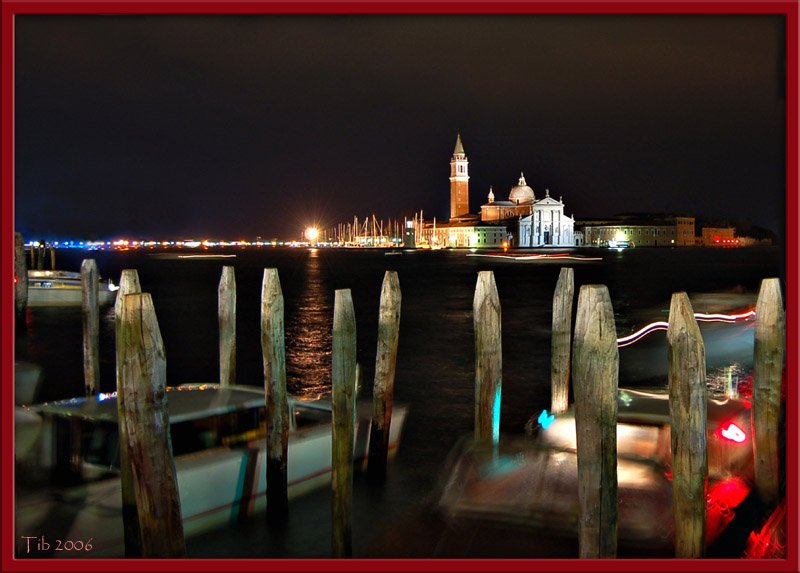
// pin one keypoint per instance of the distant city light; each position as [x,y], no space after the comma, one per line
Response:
[312,234]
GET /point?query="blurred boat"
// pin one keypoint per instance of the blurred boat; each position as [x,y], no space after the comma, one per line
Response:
[181,256]
[63,288]
[561,258]
[533,482]
[27,429]
[27,382]
[219,447]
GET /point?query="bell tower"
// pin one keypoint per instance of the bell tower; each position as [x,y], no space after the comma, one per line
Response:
[459,181]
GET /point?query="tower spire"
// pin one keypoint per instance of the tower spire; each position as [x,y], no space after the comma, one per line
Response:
[459,150]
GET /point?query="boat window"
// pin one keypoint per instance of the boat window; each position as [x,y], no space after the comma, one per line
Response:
[101,444]
[231,429]
[100,440]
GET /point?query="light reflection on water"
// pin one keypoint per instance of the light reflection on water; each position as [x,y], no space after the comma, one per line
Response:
[309,335]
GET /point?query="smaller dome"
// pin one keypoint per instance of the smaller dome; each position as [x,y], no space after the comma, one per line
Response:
[521,193]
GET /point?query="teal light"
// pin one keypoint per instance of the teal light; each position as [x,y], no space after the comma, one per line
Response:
[545,420]
[496,415]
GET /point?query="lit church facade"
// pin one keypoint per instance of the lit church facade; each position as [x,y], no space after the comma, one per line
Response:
[525,221]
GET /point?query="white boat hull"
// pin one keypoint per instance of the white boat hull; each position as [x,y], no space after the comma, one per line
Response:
[63,288]
[210,484]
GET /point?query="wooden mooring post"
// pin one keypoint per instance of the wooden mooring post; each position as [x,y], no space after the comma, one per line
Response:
[769,354]
[383,389]
[128,284]
[688,413]
[91,326]
[142,405]
[20,279]
[277,406]
[595,372]
[343,379]
[52,257]
[226,308]
[560,342]
[488,358]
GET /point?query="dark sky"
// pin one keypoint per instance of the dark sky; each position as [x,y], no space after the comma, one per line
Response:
[237,126]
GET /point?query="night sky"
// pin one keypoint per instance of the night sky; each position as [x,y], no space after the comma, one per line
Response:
[241,126]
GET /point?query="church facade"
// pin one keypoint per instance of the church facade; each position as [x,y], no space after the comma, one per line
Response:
[530,222]
[547,225]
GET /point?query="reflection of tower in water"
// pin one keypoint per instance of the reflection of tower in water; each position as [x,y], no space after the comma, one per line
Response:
[309,335]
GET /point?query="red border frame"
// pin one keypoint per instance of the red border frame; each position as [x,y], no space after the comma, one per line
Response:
[788,8]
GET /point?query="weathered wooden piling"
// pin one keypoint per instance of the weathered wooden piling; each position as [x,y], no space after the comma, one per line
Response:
[128,284]
[688,413]
[769,354]
[343,382]
[488,358]
[560,342]
[595,372]
[277,406]
[144,421]
[383,389]
[20,278]
[91,326]
[40,258]
[52,257]
[226,306]
[33,258]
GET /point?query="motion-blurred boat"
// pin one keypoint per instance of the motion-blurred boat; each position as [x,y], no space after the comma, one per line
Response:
[63,288]
[27,382]
[561,258]
[219,446]
[533,483]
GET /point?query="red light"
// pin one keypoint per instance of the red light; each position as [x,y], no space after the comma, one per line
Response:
[16,279]
[733,433]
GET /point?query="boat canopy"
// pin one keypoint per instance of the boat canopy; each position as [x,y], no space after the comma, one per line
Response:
[186,402]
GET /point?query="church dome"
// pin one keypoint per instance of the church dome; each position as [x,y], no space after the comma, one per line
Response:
[521,193]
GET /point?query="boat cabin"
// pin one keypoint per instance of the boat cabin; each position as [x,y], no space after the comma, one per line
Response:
[81,436]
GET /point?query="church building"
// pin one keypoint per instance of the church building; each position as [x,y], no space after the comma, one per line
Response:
[520,221]
[535,222]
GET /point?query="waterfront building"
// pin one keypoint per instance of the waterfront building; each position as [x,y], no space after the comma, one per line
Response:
[465,234]
[547,225]
[684,231]
[719,237]
[522,220]
[640,230]
[538,223]
[641,235]
[520,203]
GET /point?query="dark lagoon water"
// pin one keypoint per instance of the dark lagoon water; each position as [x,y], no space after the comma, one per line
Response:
[435,367]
